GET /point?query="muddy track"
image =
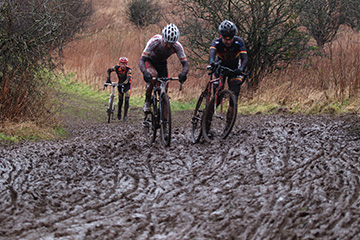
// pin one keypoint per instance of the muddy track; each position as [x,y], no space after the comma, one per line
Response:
[276,177]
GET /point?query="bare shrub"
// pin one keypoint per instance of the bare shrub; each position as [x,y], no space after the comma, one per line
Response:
[269,28]
[323,18]
[319,79]
[30,30]
[143,12]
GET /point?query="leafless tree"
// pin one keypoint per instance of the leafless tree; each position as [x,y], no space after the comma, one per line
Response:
[30,31]
[269,28]
[323,18]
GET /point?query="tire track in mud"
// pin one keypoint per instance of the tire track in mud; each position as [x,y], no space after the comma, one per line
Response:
[278,176]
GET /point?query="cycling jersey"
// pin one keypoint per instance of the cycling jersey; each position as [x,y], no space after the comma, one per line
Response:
[124,76]
[156,53]
[229,56]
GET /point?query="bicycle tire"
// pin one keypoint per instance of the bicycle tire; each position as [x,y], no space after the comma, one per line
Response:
[150,124]
[220,125]
[196,120]
[165,120]
[149,132]
[110,109]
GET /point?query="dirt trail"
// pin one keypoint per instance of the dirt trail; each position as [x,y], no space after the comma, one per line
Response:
[276,177]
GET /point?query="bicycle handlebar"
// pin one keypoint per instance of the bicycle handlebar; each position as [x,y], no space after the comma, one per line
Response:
[113,84]
[165,79]
[217,68]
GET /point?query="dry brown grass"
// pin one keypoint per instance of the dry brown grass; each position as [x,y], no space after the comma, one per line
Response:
[318,80]
[28,130]
[325,80]
[112,36]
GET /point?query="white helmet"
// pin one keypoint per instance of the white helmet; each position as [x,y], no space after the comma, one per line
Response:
[170,33]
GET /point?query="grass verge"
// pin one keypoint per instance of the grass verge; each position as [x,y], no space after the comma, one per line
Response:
[80,102]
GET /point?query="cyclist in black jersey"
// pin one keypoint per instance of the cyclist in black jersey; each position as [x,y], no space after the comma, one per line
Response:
[124,74]
[231,50]
[153,61]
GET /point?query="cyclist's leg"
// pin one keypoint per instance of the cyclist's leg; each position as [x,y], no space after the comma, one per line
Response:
[121,100]
[149,86]
[162,70]
[127,100]
[126,107]
[234,86]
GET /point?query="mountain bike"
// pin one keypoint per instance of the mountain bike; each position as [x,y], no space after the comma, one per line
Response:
[111,105]
[160,115]
[219,114]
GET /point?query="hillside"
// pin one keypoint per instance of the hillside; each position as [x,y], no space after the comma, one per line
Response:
[109,36]
[318,84]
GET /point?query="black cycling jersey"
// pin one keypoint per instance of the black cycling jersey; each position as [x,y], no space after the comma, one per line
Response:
[229,56]
[123,76]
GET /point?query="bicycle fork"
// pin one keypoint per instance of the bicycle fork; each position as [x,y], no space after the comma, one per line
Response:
[216,103]
[156,105]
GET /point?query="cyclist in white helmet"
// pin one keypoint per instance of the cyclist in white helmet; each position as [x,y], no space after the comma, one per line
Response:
[153,61]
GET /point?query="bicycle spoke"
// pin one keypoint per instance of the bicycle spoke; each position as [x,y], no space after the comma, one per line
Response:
[197,118]
[220,119]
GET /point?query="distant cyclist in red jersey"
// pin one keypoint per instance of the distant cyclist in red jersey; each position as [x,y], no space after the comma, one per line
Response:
[123,72]
[153,61]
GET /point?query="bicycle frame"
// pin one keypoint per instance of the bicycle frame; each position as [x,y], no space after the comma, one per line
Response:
[221,82]
[160,114]
[159,89]
[216,108]
[111,106]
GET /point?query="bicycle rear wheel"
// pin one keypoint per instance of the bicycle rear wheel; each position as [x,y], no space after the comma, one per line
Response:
[150,125]
[197,119]
[165,120]
[218,122]
[110,109]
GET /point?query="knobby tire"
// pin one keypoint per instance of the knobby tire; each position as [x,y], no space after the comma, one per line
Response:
[150,124]
[165,120]
[196,120]
[219,126]
[110,109]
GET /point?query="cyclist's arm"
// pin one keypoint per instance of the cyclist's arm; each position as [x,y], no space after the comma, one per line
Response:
[244,60]
[150,46]
[109,72]
[213,51]
[180,52]
[142,63]
[243,55]
[128,77]
[212,55]
[186,67]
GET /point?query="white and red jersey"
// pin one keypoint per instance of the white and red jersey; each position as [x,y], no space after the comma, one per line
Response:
[158,53]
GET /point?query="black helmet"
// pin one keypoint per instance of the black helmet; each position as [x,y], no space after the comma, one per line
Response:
[227,29]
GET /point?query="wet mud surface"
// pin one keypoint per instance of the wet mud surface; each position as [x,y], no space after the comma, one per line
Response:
[276,177]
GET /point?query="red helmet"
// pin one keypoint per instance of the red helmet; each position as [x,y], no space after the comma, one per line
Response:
[123,60]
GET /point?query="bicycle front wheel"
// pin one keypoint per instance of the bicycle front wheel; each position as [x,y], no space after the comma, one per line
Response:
[165,120]
[150,125]
[219,120]
[110,109]
[197,119]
